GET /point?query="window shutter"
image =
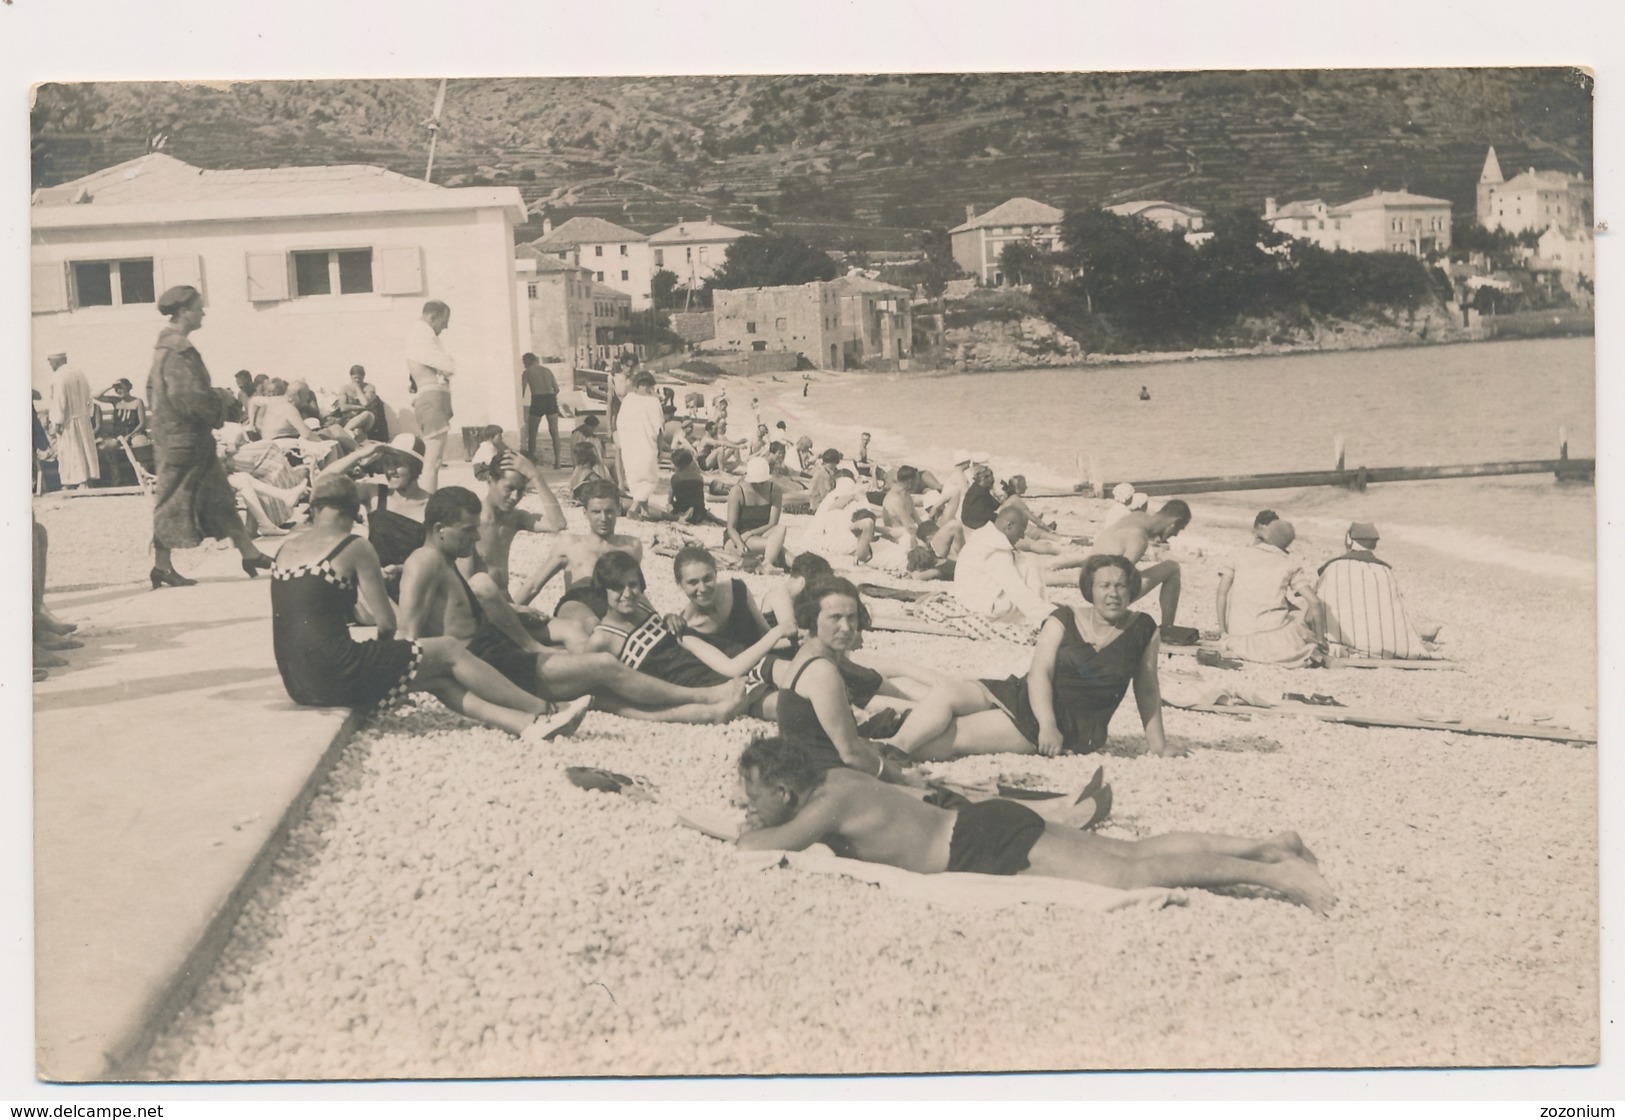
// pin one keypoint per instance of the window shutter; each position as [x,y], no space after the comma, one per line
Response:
[401,271]
[267,277]
[179,270]
[48,290]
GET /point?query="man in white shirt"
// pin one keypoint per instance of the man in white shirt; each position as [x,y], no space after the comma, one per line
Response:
[430,369]
[994,580]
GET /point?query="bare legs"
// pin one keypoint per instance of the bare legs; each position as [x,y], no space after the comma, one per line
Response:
[941,725]
[565,676]
[1184,859]
[1164,574]
[470,687]
[770,543]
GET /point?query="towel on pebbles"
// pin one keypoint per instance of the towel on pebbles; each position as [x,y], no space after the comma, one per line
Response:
[945,611]
[964,890]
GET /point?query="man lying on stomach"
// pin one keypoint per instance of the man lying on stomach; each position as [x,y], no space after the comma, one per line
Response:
[792,804]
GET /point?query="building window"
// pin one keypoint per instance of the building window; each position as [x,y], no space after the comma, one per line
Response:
[623,250]
[625,275]
[598,276]
[112,283]
[530,290]
[565,255]
[704,252]
[750,328]
[779,324]
[688,253]
[660,258]
[597,250]
[328,272]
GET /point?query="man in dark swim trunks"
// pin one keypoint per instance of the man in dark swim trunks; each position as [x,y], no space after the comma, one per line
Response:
[436,601]
[575,554]
[792,804]
[537,382]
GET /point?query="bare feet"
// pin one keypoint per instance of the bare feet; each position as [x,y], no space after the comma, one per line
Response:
[48,640]
[44,658]
[1303,884]
[1288,845]
[45,620]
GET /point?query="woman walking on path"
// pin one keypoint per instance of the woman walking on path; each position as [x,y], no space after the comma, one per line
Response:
[193,500]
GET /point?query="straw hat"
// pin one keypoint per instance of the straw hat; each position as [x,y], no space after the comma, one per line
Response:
[1122,492]
[408,443]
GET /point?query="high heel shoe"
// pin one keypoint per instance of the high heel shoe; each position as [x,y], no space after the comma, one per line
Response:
[256,564]
[168,577]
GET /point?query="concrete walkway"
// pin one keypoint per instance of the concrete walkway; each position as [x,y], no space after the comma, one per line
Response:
[166,760]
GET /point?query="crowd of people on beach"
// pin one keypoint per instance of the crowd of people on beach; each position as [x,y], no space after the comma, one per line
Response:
[432,574]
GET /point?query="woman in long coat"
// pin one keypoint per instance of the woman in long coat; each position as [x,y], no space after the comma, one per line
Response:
[194,500]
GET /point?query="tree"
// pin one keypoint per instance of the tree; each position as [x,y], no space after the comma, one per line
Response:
[771,261]
[1022,262]
[661,287]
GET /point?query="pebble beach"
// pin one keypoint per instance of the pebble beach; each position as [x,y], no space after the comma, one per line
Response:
[452,907]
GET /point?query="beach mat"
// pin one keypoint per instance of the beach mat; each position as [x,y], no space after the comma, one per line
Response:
[904,624]
[958,890]
[1208,652]
[1356,718]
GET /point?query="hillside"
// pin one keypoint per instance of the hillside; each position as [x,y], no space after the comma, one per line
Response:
[835,153]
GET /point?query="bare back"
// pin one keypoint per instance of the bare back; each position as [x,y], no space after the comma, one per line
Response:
[1129,536]
[881,823]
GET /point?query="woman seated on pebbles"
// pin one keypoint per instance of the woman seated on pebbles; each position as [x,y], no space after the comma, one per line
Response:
[792,802]
[724,615]
[318,574]
[395,524]
[633,631]
[754,505]
[1080,672]
[820,685]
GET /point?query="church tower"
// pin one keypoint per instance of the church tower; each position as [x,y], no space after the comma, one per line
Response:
[1488,180]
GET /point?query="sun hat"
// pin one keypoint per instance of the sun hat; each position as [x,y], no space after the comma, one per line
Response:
[408,443]
[63,354]
[1122,492]
[1363,531]
[1139,501]
[980,457]
[757,470]
[961,457]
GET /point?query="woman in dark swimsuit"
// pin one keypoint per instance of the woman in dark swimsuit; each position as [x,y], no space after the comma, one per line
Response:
[753,515]
[395,526]
[633,631]
[1080,672]
[319,572]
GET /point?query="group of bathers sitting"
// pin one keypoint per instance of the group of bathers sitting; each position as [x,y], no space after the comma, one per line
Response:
[453,630]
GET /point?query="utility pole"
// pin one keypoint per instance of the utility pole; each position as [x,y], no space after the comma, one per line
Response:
[434,129]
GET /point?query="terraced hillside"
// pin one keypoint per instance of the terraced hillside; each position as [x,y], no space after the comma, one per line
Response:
[837,151]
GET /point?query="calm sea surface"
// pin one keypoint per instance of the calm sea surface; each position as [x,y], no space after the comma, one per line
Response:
[1429,405]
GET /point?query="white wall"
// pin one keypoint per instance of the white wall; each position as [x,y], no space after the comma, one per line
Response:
[467,262]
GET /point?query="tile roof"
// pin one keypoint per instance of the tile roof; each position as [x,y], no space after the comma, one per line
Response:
[849,283]
[1302,208]
[581,231]
[1540,180]
[545,261]
[697,231]
[1381,199]
[604,291]
[160,178]
[1139,206]
[1015,212]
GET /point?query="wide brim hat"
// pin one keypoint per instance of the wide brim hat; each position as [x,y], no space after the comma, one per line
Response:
[409,444]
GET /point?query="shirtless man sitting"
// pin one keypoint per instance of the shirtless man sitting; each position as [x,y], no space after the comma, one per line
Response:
[437,601]
[1132,534]
[575,554]
[902,514]
[508,477]
[791,805]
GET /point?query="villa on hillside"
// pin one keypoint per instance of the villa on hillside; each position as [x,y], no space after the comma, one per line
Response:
[304,271]
[615,255]
[1533,200]
[693,250]
[979,240]
[1380,222]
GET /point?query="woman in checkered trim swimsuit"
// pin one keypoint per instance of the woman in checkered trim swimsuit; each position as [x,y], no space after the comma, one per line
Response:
[320,571]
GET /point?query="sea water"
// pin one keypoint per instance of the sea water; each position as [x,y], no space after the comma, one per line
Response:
[1422,406]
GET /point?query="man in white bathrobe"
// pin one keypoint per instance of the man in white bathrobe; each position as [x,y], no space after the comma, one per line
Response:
[72,418]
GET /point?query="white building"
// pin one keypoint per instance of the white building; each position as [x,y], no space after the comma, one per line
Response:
[693,250]
[304,271]
[978,242]
[1570,251]
[1532,200]
[1163,215]
[1380,222]
[616,256]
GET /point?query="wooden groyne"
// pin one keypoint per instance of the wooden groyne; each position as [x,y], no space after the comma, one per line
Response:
[1562,468]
